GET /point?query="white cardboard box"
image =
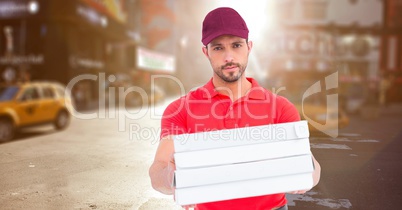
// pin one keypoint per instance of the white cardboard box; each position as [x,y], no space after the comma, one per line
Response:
[244,171]
[242,189]
[240,136]
[242,154]
[210,170]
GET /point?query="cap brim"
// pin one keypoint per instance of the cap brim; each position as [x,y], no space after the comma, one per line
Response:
[236,32]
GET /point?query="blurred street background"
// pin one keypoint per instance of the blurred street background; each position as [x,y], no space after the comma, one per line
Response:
[121,62]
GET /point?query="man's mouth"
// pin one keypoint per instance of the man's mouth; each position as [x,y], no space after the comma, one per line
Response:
[230,67]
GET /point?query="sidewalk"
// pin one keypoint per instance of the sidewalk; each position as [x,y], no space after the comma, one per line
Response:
[395,108]
[373,112]
[386,123]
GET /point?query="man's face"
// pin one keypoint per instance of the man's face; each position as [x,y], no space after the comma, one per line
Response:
[228,56]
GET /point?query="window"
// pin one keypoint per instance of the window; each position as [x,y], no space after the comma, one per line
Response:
[315,9]
[48,92]
[30,94]
[60,91]
[8,93]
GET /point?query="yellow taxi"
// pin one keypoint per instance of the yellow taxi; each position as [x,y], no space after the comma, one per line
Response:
[30,104]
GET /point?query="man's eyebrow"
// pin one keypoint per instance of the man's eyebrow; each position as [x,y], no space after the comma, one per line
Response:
[215,44]
[239,42]
[235,42]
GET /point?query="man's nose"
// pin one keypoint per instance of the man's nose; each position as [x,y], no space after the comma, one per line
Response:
[229,56]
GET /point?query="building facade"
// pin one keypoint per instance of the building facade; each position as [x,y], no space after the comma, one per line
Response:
[59,40]
[391,50]
[317,38]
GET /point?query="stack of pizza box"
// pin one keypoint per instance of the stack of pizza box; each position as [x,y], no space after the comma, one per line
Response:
[242,162]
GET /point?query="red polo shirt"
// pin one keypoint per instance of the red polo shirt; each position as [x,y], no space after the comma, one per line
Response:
[205,109]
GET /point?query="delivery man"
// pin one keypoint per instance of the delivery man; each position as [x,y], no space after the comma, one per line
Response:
[228,100]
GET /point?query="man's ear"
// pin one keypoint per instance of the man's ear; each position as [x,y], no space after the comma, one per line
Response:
[249,45]
[205,51]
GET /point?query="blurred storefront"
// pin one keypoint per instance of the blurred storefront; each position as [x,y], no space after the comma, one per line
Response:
[316,38]
[155,60]
[59,40]
[161,65]
[22,38]
[391,51]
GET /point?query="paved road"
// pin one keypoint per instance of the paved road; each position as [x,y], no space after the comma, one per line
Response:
[92,165]
[361,168]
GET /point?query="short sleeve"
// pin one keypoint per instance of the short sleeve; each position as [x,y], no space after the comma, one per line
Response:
[174,120]
[286,111]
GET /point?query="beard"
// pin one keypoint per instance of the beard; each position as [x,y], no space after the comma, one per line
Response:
[231,76]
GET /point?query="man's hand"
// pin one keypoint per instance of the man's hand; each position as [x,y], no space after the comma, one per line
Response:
[188,207]
[316,177]
[171,167]
[162,169]
[298,192]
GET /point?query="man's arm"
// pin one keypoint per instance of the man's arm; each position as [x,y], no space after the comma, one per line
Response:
[316,172]
[289,113]
[162,169]
[316,176]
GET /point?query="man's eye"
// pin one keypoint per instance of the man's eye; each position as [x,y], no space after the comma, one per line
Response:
[237,45]
[217,48]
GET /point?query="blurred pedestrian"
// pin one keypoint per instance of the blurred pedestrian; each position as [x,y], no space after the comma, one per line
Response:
[79,97]
[385,84]
[228,100]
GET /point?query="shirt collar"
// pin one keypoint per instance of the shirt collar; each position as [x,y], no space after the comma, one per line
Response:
[256,92]
[208,90]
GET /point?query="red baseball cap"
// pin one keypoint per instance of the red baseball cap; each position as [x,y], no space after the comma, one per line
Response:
[223,21]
